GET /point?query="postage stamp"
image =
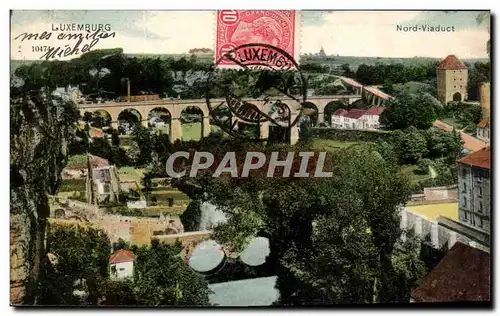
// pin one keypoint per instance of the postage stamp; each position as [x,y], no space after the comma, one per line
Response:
[273,27]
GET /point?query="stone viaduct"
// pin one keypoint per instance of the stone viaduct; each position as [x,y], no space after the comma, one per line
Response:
[175,107]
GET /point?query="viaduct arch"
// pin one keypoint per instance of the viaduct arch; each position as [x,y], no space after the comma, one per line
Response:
[176,107]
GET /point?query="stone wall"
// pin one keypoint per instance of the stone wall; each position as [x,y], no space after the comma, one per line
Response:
[138,230]
[441,193]
[435,234]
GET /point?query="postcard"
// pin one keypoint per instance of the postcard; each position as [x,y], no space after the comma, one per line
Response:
[280,158]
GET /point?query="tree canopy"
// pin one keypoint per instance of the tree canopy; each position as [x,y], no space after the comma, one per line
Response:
[332,239]
[405,110]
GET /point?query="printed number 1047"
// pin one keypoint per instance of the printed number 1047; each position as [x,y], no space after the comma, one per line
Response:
[40,48]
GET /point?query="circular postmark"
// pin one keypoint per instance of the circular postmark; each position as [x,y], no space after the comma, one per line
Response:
[264,86]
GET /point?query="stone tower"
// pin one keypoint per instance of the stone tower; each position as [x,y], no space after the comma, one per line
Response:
[484,94]
[451,80]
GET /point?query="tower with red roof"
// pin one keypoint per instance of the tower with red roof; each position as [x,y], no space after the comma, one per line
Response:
[451,80]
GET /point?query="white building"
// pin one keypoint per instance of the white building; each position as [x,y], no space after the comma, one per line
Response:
[103,182]
[371,117]
[357,118]
[483,130]
[121,265]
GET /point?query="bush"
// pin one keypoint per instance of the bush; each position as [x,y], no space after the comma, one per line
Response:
[423,165]
[191,217]
[69,185]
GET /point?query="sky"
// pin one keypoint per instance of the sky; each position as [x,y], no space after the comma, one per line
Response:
[347,33]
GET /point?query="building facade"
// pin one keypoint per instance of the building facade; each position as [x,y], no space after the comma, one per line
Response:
[474,205]
[483,130]
[451,80]
[103,183]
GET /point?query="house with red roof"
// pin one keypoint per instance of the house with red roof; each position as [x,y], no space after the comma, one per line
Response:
[451,80]
[463,275]
[357,118]
[474,204]
[121,265]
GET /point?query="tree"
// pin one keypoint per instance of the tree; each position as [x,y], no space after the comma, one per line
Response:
[99,119]
[115,138]
[331,239]
[87,117]
[80,143]
[407,268]
[142,137]
[477,75]
[388,88]
[81,258]
[162,278]
[411,145]
[346,71]
[147,183]
[100,147]
[191,217]
[406,110]
[133,153]
[442,144]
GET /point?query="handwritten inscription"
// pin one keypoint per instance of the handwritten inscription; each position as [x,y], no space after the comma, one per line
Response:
[85,41]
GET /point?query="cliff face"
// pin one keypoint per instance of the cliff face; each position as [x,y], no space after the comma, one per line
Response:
[40,129]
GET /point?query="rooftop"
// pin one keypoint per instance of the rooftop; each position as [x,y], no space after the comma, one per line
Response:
[480,158]
[96,132]
[378,92]
[351,82]
[451,62]
[121,255]
[471,143]
[375,110]
[462,275]
[97,162]
[355,113]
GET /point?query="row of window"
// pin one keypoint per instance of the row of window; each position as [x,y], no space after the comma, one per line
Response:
[480,205]
[472,221]
[479,188]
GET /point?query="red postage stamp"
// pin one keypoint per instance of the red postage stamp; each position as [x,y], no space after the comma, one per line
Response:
[238,27]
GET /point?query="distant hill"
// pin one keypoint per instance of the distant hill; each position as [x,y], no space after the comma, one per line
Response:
[355,61]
